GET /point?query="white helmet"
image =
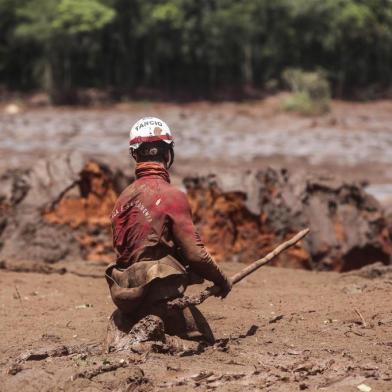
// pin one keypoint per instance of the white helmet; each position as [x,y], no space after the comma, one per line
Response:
[149,129]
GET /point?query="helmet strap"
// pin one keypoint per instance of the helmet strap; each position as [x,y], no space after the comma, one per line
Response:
[171,156]
[132,153]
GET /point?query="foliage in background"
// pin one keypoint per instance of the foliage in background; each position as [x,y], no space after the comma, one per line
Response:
[195,46]
[311,92]
[56,29]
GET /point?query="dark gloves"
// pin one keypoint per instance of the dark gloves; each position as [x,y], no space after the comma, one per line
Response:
[225,287]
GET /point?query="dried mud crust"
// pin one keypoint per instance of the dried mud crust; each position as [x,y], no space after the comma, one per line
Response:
[324,330]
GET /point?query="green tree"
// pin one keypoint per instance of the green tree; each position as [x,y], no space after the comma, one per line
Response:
[56,26]
[193,46]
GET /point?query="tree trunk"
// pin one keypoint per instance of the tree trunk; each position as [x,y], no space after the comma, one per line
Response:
[247,68]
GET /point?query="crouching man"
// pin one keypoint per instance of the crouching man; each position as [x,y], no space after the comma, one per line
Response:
[159,252]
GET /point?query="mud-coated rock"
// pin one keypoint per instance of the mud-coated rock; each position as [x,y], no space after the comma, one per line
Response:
[242,216]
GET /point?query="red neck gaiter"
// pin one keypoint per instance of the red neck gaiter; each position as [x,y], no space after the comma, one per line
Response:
[147,169]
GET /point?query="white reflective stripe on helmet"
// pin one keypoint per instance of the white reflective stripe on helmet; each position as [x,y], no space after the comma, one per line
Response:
[141,139]
[149,129]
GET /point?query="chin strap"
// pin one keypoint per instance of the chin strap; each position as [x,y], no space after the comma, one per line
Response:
[171,158]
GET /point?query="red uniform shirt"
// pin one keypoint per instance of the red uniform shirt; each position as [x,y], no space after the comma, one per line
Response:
[152,219]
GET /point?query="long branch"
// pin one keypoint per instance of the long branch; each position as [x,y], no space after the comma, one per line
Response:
[181,303]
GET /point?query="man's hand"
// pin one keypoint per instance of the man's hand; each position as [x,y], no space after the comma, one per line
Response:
[225,288]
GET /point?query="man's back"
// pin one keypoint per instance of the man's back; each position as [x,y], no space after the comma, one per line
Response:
[141,216]
[152,219]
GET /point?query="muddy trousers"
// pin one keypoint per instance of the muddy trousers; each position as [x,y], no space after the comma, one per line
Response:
[188,323]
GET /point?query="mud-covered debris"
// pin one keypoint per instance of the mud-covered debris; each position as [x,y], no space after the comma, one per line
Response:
[13,369]
[136,378]
[202,375]
[242,216]
[147,335]
[250,332]
[373,271]
[58,210]
[149,328]
[31,266]
[124,334]
[43,353]
[364,388]
[84,306]
[363,321]
[208,378]
[95,371]
[39,354]
[276,318]
[354,288]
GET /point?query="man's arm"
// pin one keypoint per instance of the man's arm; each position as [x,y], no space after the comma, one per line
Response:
[190,244]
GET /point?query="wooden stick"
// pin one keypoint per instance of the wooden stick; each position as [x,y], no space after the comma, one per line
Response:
[361,317]
[181,303]
[265,260]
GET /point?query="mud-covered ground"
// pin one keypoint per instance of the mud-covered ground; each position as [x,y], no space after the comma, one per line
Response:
[354,140]
[280,329]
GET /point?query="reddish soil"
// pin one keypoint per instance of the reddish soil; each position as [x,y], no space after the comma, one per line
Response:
[324,331]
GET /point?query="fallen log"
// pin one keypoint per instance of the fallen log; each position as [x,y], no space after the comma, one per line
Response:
[181,303]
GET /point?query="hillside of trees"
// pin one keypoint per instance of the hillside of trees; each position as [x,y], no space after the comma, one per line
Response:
[196,46]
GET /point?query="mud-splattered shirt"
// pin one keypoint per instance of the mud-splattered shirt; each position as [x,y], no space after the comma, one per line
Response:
[152,219]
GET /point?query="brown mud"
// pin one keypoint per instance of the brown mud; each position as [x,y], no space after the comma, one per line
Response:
[324,331]
[354,139]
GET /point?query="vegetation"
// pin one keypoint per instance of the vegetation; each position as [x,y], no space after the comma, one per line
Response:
[311,92]
[194,46]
